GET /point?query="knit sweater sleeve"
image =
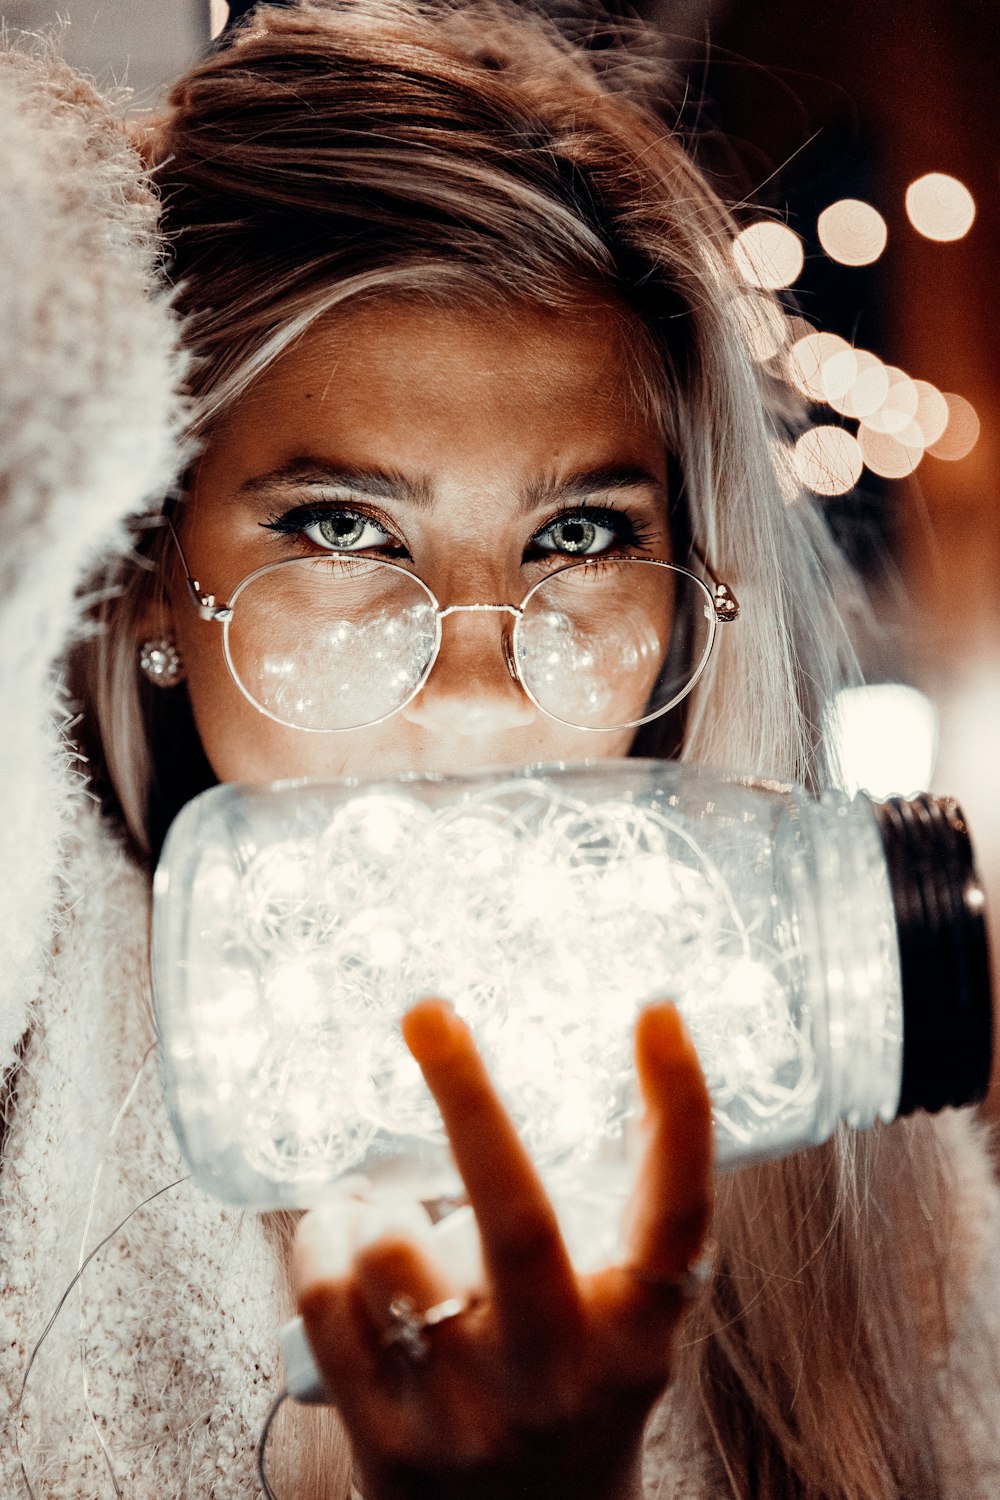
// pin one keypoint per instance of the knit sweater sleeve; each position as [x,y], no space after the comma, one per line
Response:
[89,417]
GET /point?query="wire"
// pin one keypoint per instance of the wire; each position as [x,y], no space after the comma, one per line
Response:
[85,1236]
[61,1304]
[82,1264]
[265,1433]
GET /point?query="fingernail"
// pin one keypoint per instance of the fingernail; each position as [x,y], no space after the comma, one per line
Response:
[432,1030]
[660,1027]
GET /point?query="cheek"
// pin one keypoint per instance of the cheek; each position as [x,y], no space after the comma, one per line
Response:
[234,736]
[242,744]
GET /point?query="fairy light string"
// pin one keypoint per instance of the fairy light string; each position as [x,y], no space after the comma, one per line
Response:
[547,913]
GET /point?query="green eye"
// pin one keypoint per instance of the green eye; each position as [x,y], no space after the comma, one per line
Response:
[574,536]
[345,531]
[335,528]
[340,530]
[579,536]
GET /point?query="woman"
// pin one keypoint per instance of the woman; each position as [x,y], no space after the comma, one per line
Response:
[457,301]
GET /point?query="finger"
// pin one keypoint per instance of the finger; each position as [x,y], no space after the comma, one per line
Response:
[391,1268]
[531,1280]
[373,1399]
[335,1319]
[340,1336]
[395,1405]
[672,1205]
[633,1322]
[383,1247]
[326,1238]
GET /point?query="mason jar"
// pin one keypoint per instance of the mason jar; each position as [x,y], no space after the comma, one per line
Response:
[828,955]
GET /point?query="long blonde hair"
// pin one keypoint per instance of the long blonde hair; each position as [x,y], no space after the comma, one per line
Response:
[470,152]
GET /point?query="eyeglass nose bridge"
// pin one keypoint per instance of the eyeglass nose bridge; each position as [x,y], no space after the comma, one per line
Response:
[489,609]
[492,609]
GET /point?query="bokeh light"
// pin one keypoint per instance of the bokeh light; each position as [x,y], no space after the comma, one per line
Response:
[763,324]
[809,358]
[899,407]
[940,207]
[867,390]
[892,455]
[840,372]
[931,415]
[852,232]
[962,432]
[886,738]
[768,255]
[828,460]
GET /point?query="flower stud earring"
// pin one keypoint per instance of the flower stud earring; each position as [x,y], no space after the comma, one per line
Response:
[160,662]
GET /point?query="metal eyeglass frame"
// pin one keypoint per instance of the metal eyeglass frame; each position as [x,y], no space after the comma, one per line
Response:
[724,609]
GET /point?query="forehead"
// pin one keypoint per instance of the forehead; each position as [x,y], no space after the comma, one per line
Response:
[512,384]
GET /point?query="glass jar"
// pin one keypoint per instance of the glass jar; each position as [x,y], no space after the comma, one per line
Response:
[828,956]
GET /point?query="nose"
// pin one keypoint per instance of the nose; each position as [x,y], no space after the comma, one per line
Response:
[471,689]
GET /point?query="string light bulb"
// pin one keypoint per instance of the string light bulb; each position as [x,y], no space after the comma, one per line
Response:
[892,455]
[867,390]
[763,324]
[931,415]
[961,431]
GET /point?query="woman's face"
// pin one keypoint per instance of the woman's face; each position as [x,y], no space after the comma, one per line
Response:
[479,453]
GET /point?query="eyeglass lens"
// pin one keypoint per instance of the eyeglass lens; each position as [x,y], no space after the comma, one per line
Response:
[338,643]
[607,644]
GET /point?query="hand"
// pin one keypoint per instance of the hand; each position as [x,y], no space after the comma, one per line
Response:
[542,1387]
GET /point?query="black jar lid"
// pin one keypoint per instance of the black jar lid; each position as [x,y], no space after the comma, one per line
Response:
[943,950]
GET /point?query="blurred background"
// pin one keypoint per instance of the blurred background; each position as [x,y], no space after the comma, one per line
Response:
[859,143]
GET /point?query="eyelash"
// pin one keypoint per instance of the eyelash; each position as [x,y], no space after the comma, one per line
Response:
[292,523]
[629,530]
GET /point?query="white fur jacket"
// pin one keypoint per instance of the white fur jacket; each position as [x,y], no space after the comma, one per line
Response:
[163,1359]
[155,1376]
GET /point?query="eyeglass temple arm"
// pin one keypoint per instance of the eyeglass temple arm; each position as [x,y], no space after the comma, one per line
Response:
[204,603]
[724,601]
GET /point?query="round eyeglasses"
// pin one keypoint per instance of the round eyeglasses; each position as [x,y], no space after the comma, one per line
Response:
[325,644]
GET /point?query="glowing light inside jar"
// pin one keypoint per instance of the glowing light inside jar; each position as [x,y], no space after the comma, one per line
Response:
[546,925]
[545,916]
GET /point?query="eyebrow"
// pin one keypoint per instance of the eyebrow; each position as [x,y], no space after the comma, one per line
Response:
[388,484]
